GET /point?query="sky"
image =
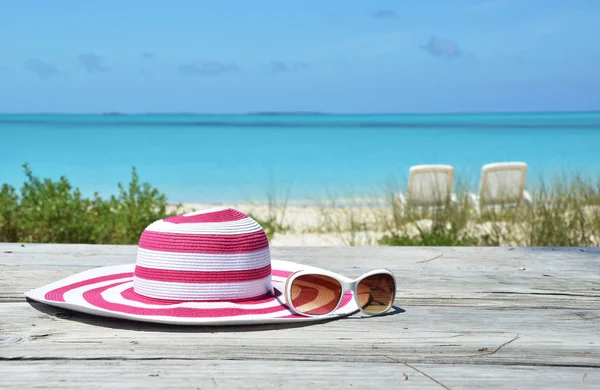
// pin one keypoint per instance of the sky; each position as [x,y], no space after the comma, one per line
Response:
[351,56]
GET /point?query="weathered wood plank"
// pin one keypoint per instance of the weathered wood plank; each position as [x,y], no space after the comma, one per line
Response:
[462,310]
[275,374]
[31,254]
[498,277]
[418,335]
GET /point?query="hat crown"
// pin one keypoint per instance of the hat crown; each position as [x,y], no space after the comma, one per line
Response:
[217,254]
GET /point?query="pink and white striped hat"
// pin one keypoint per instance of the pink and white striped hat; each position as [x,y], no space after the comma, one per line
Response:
[211,267]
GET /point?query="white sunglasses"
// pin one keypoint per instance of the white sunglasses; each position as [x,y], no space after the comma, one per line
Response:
[317,294]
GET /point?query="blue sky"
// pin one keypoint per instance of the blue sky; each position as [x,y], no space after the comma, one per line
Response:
[343,56]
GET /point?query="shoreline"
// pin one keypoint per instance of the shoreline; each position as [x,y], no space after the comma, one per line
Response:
[377,194]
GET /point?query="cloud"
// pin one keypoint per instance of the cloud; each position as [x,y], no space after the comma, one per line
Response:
[300,65]
[42,69]
[442,48]
[277,67]
[384,14]
[148,56]
[207,68]
[92,62]
[282,67]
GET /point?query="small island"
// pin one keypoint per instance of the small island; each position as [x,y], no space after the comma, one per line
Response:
[113,114]
[273,113]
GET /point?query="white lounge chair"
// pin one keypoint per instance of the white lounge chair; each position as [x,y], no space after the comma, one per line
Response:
[502,184]
[430,186]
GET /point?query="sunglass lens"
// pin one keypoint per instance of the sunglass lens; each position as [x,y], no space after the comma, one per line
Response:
[315,294]
[376,293]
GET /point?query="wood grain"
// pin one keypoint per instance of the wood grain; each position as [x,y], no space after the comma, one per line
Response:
[468,318]
[561,337]
[487,277]
[277,374]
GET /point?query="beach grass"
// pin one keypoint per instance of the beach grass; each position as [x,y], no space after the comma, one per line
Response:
[565,212]
[53,211]
[276,207]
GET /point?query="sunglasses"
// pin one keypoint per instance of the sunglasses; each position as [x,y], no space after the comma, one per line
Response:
[317,294]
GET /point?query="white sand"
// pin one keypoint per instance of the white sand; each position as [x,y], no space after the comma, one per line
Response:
[325,225]
[307,223]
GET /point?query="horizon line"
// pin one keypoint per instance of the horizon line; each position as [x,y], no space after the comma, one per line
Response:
[302,112]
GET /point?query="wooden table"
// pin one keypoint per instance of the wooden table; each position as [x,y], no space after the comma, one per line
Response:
[465,318]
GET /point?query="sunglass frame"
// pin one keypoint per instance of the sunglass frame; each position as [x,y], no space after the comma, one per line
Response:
[347,285]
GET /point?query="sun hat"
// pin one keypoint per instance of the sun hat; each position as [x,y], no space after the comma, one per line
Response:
[211,267]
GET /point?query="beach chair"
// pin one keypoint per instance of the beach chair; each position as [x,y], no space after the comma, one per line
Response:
[429,186]
[502,184]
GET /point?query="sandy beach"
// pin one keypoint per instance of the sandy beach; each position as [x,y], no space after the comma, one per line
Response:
[324,225]
[364,222]
[306,224]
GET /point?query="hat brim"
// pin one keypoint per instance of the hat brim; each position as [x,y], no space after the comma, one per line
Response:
[108,292]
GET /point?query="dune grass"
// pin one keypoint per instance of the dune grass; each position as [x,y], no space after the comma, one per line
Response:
[274,220]
[565,212]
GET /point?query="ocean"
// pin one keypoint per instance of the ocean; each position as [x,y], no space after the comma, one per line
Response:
[240,158]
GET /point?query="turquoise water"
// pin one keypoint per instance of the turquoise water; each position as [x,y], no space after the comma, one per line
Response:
[225,158]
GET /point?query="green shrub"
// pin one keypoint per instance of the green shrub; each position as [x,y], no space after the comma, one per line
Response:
[122,218]
[9,209]
[50,211]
